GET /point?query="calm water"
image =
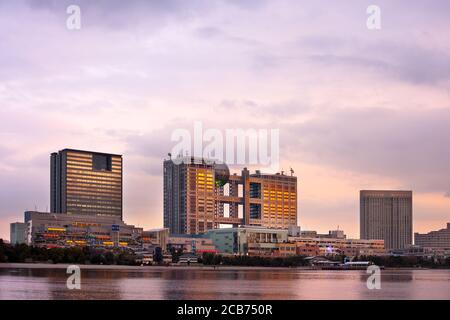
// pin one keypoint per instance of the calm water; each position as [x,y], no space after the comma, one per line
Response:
[172,283]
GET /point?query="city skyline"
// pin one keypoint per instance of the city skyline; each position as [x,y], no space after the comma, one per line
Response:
[388,208]
[356,109]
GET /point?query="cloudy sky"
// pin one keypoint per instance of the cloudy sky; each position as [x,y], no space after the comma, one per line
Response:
[356,108]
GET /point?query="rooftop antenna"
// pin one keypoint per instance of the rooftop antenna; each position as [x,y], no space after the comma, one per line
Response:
[292,172]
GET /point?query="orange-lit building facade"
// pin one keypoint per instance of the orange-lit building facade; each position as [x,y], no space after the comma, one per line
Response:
[67,230]
[86,183]
[195,201]
[330,246]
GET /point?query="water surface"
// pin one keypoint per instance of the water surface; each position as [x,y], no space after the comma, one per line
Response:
[49,282]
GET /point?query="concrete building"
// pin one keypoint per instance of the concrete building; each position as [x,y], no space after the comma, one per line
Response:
[294,231]
[386,215]
[308,249]
[425,252]
[248,240]
[156,238]
[196,244]
[284,249]
[86,183]
[67,230]
[433,239]
[308,234]
[333,234]
[17,233]
[336,234]
[330,246]
[200,195]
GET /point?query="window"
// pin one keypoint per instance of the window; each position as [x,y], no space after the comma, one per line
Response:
[101,162]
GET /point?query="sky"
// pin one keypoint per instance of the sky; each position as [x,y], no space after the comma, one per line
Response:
[356,108]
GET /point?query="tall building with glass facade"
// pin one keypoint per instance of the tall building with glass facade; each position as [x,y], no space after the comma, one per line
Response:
[86,183]
[386,215]
[18,233]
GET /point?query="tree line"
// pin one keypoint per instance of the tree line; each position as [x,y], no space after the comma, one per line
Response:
[406,261]
[255,261]
[21,253]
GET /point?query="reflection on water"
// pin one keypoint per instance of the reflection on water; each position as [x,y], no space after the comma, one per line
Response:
[170,283]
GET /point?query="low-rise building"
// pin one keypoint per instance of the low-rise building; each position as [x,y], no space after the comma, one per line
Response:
[188,258]
[285,249]
[434,239]
[294,231]
[418,251]
[332,234]
[306,249]
[335,234]
[330,246]
[155,238]
[248,240]
[191,243]
[66,230]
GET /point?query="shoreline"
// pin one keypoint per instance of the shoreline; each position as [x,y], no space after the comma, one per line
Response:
[176,267]
[141,268]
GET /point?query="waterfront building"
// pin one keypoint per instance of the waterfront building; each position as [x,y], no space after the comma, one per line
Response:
[330,246]
[425,252]
[434,239]
[386,215]
[248,240]
[307,249]
[188,259]
[18,233]
[156,238]
[200,195]
[67,230]
[86,183]
[195,244]
[285,249]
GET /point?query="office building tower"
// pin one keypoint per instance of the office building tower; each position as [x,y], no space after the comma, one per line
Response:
[198,197]
[386,215]
[18,232]
[86,183]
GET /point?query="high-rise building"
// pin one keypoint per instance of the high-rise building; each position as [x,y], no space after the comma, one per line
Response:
[433,239]
[197,198]
[188,196]
[17,233]
[386,215]
[86,183]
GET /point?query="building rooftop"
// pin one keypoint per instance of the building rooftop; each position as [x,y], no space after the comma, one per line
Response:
[90,152]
